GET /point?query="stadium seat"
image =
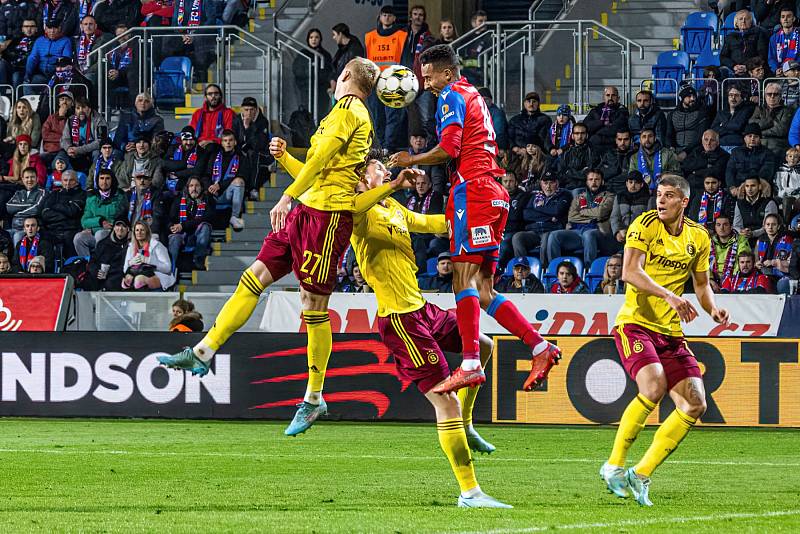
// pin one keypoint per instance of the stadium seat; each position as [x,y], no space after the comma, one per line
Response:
[172,80]
[698,32]
[536,266]
[33,100]
[728,26]
[596,271]
[5,107]
[550,276]
[669,70]
[430,266]
[709,58]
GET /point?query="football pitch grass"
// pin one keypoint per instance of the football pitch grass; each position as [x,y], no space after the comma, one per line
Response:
[208,476]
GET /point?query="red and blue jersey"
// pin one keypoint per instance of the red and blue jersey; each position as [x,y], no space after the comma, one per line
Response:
[466,132]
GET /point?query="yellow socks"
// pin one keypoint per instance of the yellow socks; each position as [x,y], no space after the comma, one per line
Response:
[318,325]
[454,444]
[668,436]
[233,316]
[467,398]
[630,425]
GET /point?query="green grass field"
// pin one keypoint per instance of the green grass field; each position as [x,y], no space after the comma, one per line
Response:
[165,476]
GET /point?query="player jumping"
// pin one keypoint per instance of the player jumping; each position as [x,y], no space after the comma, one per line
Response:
[417,332]
[309,241]
[662,249]
[477,209]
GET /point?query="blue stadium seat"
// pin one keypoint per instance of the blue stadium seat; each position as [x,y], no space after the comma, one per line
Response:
[709,58]
[596,271]
[698,32]
[550,276]
[672,65]
[430,266]
[171,80]
[536,266]
[728,26]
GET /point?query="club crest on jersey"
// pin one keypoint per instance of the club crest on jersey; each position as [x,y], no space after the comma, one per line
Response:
[481,235]
[433,358]
[638,346]
[690,250]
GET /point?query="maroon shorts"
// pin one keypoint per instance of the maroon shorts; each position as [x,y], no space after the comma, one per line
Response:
[476,215]
[311,244]
[639,346]
[418,341]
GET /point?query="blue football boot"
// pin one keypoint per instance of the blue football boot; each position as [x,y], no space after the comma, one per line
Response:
[477,443]
[614,477]
[640,487]
[185,360]
[306,414]
[481,500]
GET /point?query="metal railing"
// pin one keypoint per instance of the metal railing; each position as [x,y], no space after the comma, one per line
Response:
[284,41]
[539,4]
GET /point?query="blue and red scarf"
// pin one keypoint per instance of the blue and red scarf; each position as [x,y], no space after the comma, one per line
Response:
[564,137]
[730,258]
[194,14]
[786,45]
[85,44]
[50,6]
[75,131]
[745,282]
[650,176]
[23,48]
[198,214]
[147,205]
[191,161]
[781,251]
[84,8]
[198,130]
[230,172]
[28,250]
[717,200]
[101,164]
[559,289]
[120,59]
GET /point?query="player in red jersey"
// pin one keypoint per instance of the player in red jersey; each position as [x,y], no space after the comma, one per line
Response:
[477,209]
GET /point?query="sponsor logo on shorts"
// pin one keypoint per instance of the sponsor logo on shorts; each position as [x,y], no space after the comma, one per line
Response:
[665,262]
[638,346]
[433,358]
[496,203]
[481,235]
[690,250]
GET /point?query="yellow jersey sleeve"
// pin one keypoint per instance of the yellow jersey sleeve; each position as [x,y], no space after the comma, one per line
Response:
[424,224]
[292,165]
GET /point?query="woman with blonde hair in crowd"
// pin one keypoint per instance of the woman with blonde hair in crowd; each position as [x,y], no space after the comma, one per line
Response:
[24,122]
[529,167]
[612,283]
[147,264]
[24,156]
[447,32]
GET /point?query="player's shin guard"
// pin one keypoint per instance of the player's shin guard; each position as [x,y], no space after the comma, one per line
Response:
[318,324]
[668,436]
[234,314]
[508,316]
[468,314]
[630,425]
[454,444]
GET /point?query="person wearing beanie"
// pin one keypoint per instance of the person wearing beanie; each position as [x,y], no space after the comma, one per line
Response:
[752,159]
[687,122]
[107,158]
[628,205]
[529,127]
[647,115]
[105,264]
[25,156]
[558,135]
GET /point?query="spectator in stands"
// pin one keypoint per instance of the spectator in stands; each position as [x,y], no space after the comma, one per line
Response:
[47,50]
[648,115]
[773,250]
[791,87]
[425,200]
[90,38]
[686,123]
[752,159]
[517,201]
[145,203]
[653,160]
[628,205]
[498,120]
[521,281]
[142,120]
[442,281]
[769,13]
[13,15]
[110,13]
[708,159]
[348,47]
[190,222]
[784,42]
[156,13]
[421,112]
[356,284]
[252,135]
[6,243]
[612,283]
[82,134]
[712,203]
[742,45]
[230,172]
[32,244]
[480,42]
[588,222]
[60,166]
[567,280]
[730,123]
[774,119]
[726,244]
[447,31]
[142,160]
[66,78]
[53,127]
[106,159]
[751,85]
[574,162]
[605,119]
[24,158]
[37,265]
[8,187]
[147,265]
[64,14]
[185,160]
[213,118]
[529,168]
[787,183]
[105,204]
[751,208]
[62,211]
[15,53]
[710,88]
[122,80]
[557,137]
[545,212]
[324,72]
[24,122]
[201,49]
[531,126]
[384,46]
[5,265]
[747,279]
[190,320]
[107,260]
[615,163]
[26,202]
[437,175]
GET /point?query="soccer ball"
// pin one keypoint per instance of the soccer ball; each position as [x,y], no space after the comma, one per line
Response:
[397,86]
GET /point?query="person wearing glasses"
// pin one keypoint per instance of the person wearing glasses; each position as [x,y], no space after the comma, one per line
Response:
[213,118]
[774,118]
[15,54]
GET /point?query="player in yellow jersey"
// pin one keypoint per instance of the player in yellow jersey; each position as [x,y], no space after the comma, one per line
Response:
[417,332]
[662,250]
[309,241]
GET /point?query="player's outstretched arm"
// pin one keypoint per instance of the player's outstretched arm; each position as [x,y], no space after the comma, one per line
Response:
[435,156]
[424,224]
[633,273]
[702,288]
[277,149]
[405,180]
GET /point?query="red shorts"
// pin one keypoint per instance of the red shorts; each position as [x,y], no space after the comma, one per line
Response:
[418,341]
[311,244]
[639,346]
[476,214]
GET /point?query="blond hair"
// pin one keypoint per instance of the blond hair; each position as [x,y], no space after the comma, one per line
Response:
[365,73]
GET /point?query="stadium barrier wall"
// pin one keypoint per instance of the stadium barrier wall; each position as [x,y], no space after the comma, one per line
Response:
[34,303]
[750,382]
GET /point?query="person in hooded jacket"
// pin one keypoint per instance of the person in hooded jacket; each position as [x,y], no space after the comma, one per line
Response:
[531,126]
[62,211]
[752,159]
[105,205]
[105,263]
[686,123]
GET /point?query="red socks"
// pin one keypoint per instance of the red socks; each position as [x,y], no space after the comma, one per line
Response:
[509,317]
[468,314]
